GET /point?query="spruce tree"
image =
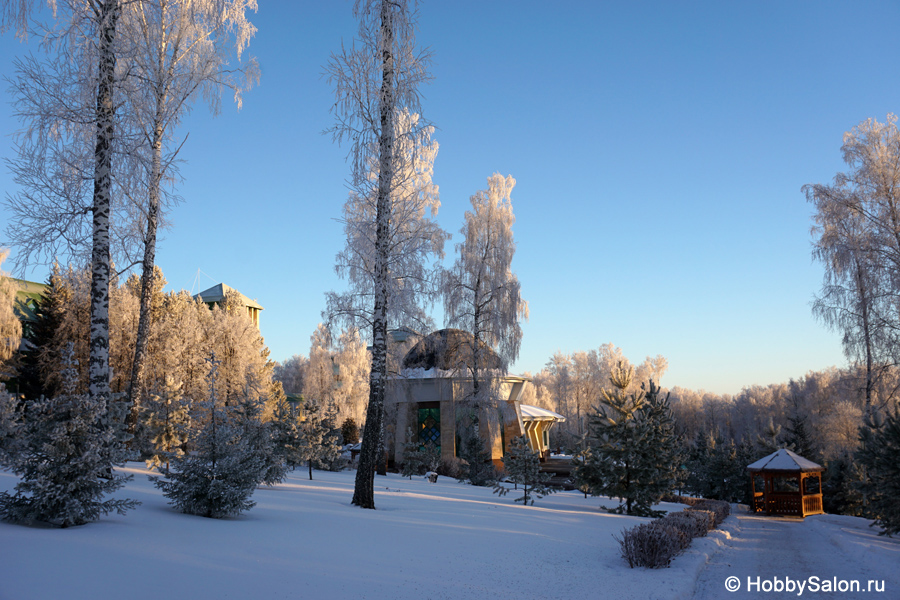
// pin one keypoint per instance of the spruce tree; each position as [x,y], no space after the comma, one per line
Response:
[523,467]
[63,459]
[218,480]
[879,455]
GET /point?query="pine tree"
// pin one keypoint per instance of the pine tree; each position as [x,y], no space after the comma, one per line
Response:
[624,440]
[523,467]
[218,480]
[64,462]
[879,455]
[167,421]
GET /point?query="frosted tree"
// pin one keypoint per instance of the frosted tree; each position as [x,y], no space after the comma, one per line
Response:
[353,362]
[69,105]
[523,467]
[10,327]
[218,480]
[63,462]
[858,243]
[168,421]
[389,232]
[319,379]
[178,50]
[290,374]
[482,295]
[321,439]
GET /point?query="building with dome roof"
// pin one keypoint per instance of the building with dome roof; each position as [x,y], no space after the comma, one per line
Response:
[432,396]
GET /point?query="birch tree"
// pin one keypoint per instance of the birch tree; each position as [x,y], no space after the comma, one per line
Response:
[376,82]
[179,49]
[482,295]
[72,101]
[857,226]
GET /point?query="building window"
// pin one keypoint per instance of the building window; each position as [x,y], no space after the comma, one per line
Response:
[430,423]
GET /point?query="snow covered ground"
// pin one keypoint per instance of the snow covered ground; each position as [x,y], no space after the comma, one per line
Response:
[443,540]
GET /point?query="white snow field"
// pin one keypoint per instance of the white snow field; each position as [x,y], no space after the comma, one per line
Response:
[303,539]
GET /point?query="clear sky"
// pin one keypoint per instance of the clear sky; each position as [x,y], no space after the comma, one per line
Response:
[659,149]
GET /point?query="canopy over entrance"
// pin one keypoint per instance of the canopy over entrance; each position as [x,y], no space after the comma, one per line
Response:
[792,485]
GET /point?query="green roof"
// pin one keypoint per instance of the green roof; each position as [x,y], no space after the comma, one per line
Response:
[217,293]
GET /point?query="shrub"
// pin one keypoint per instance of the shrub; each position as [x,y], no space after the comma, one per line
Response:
[719,508]
[652,545]
[694,523]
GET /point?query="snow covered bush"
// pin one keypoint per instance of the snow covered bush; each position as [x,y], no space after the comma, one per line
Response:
[218,479]
[652,545]
[694,523]
[719,508]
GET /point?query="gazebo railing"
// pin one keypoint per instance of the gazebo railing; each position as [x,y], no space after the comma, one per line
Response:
[784,503]
[812,504]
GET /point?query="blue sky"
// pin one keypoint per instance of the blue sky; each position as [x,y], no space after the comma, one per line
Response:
[659,149]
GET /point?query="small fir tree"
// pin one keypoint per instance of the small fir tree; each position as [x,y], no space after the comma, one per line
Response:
[413,456]
[523,467]
[218,480]
[64,461]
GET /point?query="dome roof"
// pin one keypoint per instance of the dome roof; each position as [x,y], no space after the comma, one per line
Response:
[449,349]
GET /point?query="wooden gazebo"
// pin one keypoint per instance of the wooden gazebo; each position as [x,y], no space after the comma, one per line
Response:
[792,485]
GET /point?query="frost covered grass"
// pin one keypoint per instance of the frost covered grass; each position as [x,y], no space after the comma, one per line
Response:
[303,539]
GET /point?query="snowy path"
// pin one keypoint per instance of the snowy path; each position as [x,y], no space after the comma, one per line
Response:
[796,557]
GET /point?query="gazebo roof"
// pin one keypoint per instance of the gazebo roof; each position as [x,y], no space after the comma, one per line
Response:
[784,460]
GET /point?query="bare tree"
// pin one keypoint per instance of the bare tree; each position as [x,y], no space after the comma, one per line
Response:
[375,83]
[482,295]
